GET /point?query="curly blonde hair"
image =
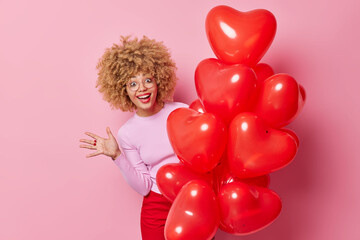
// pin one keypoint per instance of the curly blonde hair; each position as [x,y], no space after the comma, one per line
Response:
[129,58]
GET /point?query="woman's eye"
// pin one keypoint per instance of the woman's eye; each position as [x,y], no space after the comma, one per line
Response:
[132,84]
[148,80]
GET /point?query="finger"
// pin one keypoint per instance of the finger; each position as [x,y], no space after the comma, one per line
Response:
[109,132]
[88,141]
[88,146]
[93,154]
[92,135]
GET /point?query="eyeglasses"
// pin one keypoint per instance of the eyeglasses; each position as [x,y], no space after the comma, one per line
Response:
[134,85]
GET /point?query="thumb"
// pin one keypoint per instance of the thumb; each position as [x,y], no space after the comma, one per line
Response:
[109,132]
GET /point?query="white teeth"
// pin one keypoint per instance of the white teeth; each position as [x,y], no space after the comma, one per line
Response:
[145,96]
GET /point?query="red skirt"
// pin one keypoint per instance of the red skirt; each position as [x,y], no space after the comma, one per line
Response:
[154,211]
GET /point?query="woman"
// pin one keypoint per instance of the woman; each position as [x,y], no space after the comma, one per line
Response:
[139,75]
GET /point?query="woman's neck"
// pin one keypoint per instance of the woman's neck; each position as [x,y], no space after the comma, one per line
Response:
[149,112]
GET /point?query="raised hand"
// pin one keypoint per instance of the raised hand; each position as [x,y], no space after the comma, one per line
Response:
[108,147]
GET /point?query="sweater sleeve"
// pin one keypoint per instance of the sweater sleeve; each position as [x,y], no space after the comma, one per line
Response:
[133,168]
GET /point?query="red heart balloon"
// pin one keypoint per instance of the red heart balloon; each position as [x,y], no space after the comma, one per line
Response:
[171,177]
[302,92]
[254,149]
[246,209]
[225,90]
[198,139]
[263,71]
[240,37]
[197,106]
[279,100]
[222,175]
[194,214]
[293,134]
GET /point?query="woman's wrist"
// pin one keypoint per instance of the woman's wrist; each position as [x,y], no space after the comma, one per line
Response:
[117,154]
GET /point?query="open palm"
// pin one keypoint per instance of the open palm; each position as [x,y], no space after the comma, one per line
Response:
[107,146]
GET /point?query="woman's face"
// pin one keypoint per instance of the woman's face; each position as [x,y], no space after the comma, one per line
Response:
[142,91]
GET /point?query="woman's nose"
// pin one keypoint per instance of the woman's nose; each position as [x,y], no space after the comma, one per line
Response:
[142,86]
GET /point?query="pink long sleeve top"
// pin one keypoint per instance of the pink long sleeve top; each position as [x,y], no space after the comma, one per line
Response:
[145,147]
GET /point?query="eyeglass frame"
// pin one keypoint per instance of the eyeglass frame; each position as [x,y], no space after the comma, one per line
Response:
[142,82]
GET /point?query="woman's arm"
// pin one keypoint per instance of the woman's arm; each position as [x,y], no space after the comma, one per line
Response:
[133,168]
[129,161]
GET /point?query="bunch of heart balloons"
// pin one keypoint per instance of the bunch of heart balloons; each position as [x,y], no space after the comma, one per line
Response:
[232,137]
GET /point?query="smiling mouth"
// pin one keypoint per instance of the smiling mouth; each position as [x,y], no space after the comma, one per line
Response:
[144,98]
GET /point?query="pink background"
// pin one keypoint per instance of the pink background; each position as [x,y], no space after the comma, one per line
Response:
[48,53]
